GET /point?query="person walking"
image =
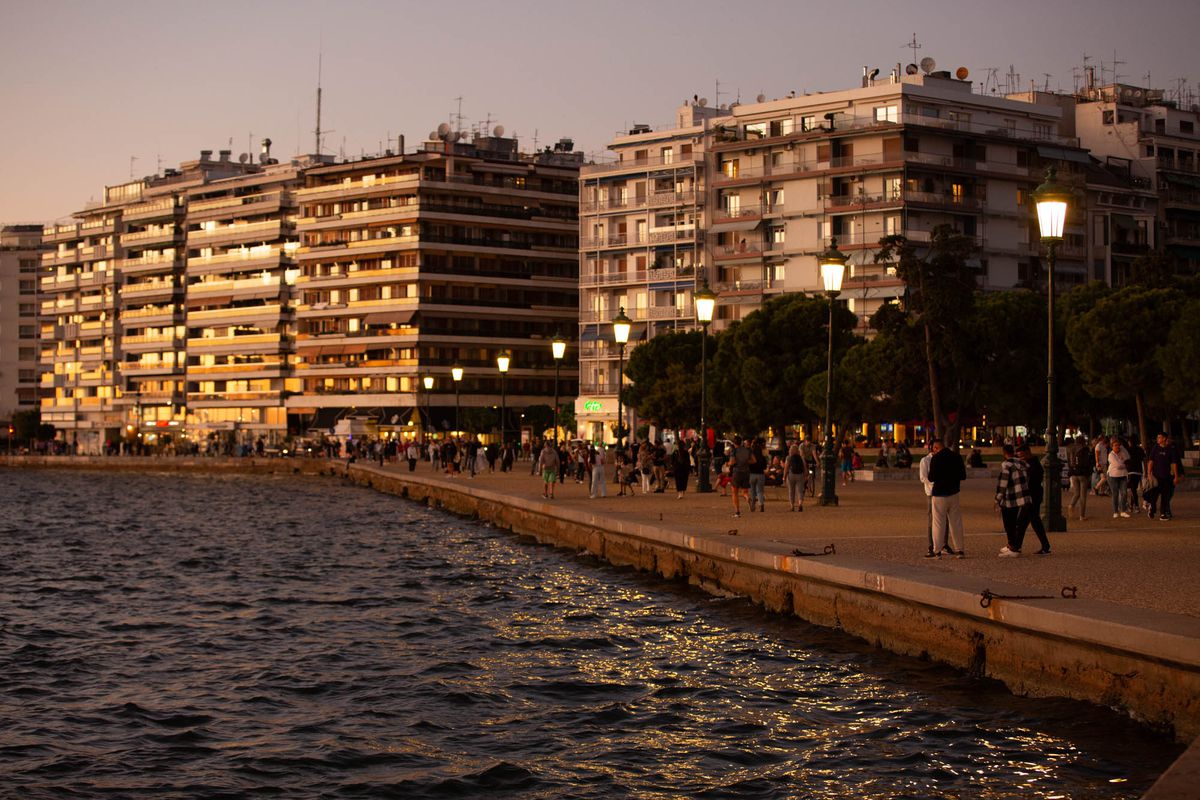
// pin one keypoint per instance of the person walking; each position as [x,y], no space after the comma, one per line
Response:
[412,454]
[1012,500]
[1133,465]
[847,462]
[682,467]
[946,474]
[795,474]
[1079,471]
[1100,459]
[1164,465]
[599,489]
[758,475]
[548,464]
[1035,475]
[1118,477]
[740,471]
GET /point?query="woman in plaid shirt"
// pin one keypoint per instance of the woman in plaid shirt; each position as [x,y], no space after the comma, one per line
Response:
[1013,500]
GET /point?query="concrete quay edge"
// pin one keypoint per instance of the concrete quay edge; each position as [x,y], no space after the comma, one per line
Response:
[1130,652]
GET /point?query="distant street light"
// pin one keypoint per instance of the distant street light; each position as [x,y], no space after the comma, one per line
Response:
[705,300]
[833,269]
[558,347]
[502,362]
[456,372]
[621,325]
[428,383]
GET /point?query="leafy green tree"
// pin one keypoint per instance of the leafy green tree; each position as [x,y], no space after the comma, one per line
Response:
[26,423]
[941,294]
[1178,357]
[1116,345]
[1073,398]
[665,375]
[1010,331]
[764,361]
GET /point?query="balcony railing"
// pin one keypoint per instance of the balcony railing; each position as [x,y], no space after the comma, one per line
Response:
[677,160]
[654,200]
[235,202]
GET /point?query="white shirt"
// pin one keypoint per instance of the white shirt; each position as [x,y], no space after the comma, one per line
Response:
[923,471]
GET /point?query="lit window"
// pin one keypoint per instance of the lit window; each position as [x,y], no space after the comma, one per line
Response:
[887,113]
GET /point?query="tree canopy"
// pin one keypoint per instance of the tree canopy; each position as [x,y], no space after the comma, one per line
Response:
[665,375]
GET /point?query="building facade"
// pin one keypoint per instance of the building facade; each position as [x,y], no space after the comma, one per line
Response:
[759,190]
[20,260]
[411,263]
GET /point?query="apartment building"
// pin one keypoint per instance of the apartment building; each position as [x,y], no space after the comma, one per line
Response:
[1157,141]
[240,319]
[411,263]
[112,282]
[20,259]
[759,190]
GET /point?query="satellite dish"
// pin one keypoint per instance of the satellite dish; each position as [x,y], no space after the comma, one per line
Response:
[243,158]
[961,73]
[263,158]
[703,102]
[928,65]
[433,134]
[443,129]
[761,98]
[498,131]
[911,69]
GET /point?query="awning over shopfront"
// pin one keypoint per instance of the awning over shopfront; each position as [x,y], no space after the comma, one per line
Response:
[1063,154]
[382,318]
[747,224]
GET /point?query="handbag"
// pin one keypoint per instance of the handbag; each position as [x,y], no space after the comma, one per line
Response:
[1148,482]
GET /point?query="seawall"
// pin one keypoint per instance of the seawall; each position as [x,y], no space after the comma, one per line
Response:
[1144,663]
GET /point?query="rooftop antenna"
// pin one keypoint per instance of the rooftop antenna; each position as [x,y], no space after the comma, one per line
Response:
[131,160]
[914,47]
[1046,87]
[458,118]
[1147,77]
[535,137]
[717,92]
[157,163]
[992,80]
[1116,75]
[317,132]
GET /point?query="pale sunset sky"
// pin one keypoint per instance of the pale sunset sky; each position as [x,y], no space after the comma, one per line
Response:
[87,86]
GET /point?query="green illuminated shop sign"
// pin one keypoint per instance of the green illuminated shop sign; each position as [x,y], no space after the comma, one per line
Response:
[593,405]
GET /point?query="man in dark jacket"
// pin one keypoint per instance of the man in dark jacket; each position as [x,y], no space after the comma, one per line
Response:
[946,473]
[1037,490]
[1163,462]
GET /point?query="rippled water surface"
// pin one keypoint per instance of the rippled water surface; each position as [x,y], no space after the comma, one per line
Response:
[165,636]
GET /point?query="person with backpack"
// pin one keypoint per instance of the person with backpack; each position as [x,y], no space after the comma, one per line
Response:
[1079,470]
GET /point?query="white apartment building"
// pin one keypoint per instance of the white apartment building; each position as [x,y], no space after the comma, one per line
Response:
[747,197]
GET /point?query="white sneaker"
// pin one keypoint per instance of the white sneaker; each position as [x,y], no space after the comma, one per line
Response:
[1115,515]
[1006,553]
[1125,514]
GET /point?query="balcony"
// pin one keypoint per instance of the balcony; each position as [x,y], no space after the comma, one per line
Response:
[355,188]
[248,205]
[244,289]
[256,342]
[943,200]
[149,290]
[60,233]
[240,260]
[150,263]
[654,200]
[649,163]
[266,231]
[151,236]
[740,250]
[259,315]
[155,209]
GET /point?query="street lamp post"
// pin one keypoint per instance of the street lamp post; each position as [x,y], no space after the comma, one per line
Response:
[558,346]
[502,362]
[1052,200]
[427,381]
[456,372]
[833,269]
[705,300]
[621,325]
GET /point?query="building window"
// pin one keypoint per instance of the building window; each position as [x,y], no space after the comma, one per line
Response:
[775,199]
[756,130]
[887,113]
[668,155]
[1109,116]
[1186,126]
[808,123]
[733,204]
[778,235]
[729,168]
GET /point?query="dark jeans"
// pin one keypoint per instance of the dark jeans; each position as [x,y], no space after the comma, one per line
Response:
[1016,520]
[1164,492]
[1035,522]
